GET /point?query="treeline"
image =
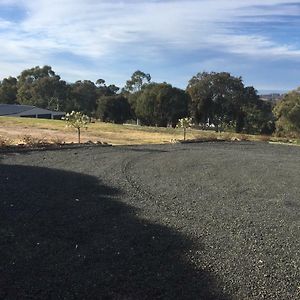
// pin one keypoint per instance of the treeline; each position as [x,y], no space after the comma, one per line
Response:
[217,100]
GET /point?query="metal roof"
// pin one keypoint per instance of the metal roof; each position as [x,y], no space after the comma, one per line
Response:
[15,109]
[12,109]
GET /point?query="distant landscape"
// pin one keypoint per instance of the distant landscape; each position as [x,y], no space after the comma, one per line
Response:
[215,101]
[272,96]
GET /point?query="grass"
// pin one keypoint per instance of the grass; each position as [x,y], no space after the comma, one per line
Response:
[13,131]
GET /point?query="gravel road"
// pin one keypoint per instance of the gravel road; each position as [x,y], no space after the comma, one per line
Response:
[182,221]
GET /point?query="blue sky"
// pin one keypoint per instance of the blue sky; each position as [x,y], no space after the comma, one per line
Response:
[170,39]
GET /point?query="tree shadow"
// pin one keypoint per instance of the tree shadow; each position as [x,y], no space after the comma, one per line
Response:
[68,236]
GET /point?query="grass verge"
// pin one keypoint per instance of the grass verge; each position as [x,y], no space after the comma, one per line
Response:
[15,131]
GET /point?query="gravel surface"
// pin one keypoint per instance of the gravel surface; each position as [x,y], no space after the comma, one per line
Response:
[194,221]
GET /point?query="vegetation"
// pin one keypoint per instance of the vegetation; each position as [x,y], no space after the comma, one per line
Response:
[222,100]
[77,120]
[13,130]
[41,87]
[160,104]
[287,112]
[184,123]
[213,100]
[115,109]
[137,81]
[8,90]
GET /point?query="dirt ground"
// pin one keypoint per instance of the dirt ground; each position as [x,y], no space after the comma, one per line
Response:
[190,221]
[15,129]
[17,134]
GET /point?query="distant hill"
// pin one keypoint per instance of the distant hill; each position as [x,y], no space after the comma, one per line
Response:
[266,92]
[274,97]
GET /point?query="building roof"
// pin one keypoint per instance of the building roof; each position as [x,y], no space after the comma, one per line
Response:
[15,109]
[12,109]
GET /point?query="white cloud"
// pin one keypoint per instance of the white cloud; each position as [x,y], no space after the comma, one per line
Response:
[100,30]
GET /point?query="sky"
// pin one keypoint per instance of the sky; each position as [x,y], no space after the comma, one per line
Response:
[172,40]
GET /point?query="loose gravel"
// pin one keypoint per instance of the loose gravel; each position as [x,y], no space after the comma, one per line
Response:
[182,221]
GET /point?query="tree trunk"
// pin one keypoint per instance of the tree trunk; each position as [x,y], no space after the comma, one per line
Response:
[78,135]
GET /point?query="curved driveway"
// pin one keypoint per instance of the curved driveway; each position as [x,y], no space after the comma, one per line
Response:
[194,221]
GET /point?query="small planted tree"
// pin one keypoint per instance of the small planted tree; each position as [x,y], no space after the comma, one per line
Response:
[77,120]
[184,123]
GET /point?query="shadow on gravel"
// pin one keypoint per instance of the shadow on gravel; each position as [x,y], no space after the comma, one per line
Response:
[65,235]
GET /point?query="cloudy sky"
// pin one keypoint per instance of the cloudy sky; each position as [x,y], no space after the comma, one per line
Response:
[170,39]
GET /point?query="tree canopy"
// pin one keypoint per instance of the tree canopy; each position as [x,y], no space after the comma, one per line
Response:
[41,87]
[223,100]
[137,81]
[287,112]
[8,90]
[83,95]
[161,104]
[210,98]
[114,108]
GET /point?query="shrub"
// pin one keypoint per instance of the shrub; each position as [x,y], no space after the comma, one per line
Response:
[77,120]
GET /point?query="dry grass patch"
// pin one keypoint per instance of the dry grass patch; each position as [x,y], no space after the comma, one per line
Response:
[5,142]
[13,130]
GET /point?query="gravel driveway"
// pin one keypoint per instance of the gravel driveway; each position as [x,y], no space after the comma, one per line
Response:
[193,221]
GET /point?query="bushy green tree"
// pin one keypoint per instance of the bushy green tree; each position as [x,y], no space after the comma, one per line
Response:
[40,86]
[161,104]
[8,90]
[217,98]
[83,96]
[287,112]
[223,100]
[257,116]
[133,89]
[114,109]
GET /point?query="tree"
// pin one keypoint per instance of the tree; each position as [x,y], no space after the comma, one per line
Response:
[40,86]
[184,123]
[137,81]
[77,120]
[114,109]
[221,99]
[8,90]
[216,98]
[100,82]
[257,115]
[133,88]
[287,112]
[161,104]
[104,90]
[83,96]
